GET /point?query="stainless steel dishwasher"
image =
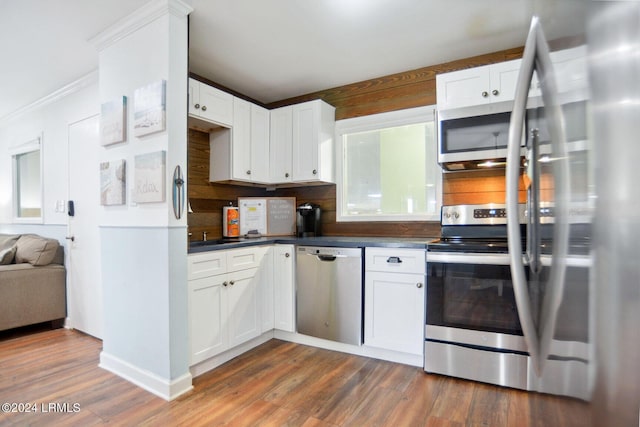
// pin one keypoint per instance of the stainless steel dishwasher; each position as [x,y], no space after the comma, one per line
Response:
[329,293]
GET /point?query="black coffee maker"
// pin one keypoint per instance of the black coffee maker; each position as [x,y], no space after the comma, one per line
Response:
[308,222]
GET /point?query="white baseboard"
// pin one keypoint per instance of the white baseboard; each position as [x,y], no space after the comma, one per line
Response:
[362,350]
[153,383]
[215,361]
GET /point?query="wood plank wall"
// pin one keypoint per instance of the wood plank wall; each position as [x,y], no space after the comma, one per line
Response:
[395,92]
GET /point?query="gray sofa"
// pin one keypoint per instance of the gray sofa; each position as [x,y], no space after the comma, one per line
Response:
[32,281]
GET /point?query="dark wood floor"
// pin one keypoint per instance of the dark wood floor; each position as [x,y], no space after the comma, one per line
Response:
[276,384]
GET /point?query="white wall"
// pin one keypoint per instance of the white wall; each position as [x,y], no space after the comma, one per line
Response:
[51,121]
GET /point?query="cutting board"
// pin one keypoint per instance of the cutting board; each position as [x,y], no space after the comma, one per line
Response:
[270,216]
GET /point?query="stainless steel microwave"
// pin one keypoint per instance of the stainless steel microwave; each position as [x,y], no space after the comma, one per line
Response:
[476,137]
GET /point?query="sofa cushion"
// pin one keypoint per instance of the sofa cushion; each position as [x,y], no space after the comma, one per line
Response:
[7,255]
[36,250]
[8,240]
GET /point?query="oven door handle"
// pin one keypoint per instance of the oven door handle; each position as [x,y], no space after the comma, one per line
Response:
[466,258]
[536,56]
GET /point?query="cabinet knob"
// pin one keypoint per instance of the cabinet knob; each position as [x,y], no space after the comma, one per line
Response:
[197,106]
[232,282]
[485,94]
[418,285]
[248,172]
[496,92]
[286,175]
[204,108]
[315,172]
[287,254]
[225,283]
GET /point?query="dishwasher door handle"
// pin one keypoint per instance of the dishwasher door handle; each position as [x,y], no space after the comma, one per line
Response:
[327,258]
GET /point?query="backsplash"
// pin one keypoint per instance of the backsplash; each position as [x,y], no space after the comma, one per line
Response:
[207,200]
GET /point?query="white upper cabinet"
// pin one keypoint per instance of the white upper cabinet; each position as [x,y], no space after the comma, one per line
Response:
[313,145]
[281,140]
[210,104]
[480,85]
[302,146]
[260,145]
[570,67]
[242,154]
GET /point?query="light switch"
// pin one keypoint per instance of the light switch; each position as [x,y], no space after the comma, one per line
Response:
[60,206]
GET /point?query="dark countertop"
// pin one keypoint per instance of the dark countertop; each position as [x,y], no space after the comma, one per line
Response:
[344,242]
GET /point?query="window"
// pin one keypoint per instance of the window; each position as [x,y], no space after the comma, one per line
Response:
[27,182]
[387,168]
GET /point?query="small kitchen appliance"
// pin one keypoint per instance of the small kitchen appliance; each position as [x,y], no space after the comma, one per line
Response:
[308,220]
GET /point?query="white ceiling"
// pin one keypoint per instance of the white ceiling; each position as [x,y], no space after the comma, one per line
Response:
[268,50]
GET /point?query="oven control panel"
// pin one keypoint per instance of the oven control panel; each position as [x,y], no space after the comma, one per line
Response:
[489,214]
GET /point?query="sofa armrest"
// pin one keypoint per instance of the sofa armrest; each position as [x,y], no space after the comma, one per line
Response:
[31,294]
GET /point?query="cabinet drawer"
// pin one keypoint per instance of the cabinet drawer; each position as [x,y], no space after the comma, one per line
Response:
[240,259]
[206,264]
[395,260]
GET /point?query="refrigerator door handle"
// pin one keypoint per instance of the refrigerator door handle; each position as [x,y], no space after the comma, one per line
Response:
[538,334]
[562,192]
[516,125]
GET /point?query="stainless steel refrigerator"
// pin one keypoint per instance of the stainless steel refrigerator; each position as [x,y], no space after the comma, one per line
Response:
[581,173]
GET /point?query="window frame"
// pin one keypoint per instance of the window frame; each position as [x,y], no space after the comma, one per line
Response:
[32,145]
[377,122]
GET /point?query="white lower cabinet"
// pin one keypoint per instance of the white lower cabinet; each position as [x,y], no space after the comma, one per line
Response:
[236,295]
[207,311]
[394,302]
[224,308]
[284,288]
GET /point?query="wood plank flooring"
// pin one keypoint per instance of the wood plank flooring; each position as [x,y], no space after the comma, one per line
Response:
[276,384]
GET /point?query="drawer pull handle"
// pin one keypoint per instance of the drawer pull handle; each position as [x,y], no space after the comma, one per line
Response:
[394,260]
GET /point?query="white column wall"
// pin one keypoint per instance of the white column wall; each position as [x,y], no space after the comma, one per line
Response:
[144,248]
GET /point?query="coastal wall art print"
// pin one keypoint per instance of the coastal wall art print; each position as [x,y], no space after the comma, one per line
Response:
[113,183]
[150,172]
[113,121]
[149,112]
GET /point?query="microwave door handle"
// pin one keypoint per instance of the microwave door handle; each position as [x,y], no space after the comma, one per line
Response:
[516,125]
[561,178]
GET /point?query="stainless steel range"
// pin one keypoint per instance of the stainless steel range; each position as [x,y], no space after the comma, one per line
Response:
[473,326]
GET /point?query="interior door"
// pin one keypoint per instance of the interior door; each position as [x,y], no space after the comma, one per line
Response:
[84,284]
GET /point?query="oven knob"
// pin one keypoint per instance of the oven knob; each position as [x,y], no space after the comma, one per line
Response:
[447,215]
[456,215]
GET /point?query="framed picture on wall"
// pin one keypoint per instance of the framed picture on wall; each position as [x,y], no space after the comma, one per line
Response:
[113,183]
[149,112]
[113,121]
[150,171]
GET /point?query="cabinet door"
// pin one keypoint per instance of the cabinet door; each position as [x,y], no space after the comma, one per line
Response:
[305,141]
[206,264]
[394,311]
[259,144]
[504,77]
[243,312]
[215,105]
[194,97]
[284,290]
[245,258]
[265,278]
[281,141]
[395,260]
[207,314]
[241,140]
[463,88]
